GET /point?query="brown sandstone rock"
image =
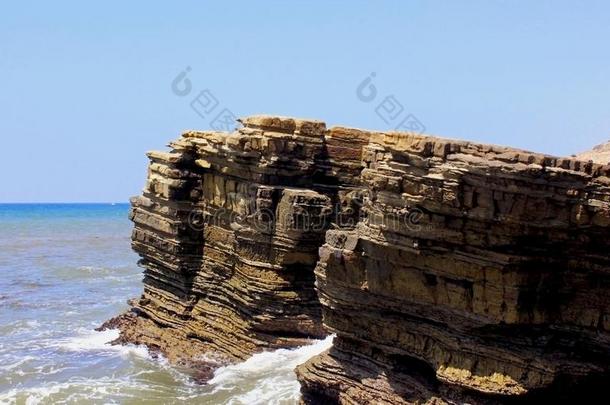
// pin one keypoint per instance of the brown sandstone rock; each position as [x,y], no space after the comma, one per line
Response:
[490,286]
[449,271]
[228,269]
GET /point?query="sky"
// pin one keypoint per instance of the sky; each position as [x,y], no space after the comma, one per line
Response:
[87,89]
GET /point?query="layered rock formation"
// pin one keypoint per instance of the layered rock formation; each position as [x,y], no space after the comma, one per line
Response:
[228,269]
[449,271]
[498,291]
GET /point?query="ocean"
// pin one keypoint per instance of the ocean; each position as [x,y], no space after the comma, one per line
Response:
[64,270]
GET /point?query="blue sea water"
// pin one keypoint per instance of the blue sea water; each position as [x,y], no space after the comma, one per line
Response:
[65,269]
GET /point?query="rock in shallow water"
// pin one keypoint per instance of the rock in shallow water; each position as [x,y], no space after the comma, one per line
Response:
[449,271]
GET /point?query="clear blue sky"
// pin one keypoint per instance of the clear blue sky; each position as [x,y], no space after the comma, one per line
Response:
[86,89]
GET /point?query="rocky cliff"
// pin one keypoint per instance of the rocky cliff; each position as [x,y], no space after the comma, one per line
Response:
[449,271]
[228,268]
[500,290]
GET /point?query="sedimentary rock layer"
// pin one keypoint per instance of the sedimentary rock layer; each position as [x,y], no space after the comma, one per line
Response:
[228,271]
[449,271]
[491,286]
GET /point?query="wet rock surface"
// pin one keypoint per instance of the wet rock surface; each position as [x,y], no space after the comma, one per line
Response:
[449,271]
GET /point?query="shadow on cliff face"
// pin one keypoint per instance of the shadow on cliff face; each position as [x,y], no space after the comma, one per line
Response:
[567,390]
[408,378]
[564,390]
[411,380]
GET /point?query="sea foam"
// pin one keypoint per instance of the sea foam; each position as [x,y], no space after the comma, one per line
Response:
[268,377]
[91,340]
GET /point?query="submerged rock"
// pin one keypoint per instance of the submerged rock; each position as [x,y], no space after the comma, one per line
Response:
[449,271]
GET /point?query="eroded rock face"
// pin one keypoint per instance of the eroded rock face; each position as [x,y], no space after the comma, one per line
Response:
[496,290]
[228,271]
[449,271]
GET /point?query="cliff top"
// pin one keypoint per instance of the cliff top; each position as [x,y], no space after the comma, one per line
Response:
[421,144]
[599,154]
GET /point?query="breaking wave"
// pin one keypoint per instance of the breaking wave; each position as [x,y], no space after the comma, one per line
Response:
[265,378]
